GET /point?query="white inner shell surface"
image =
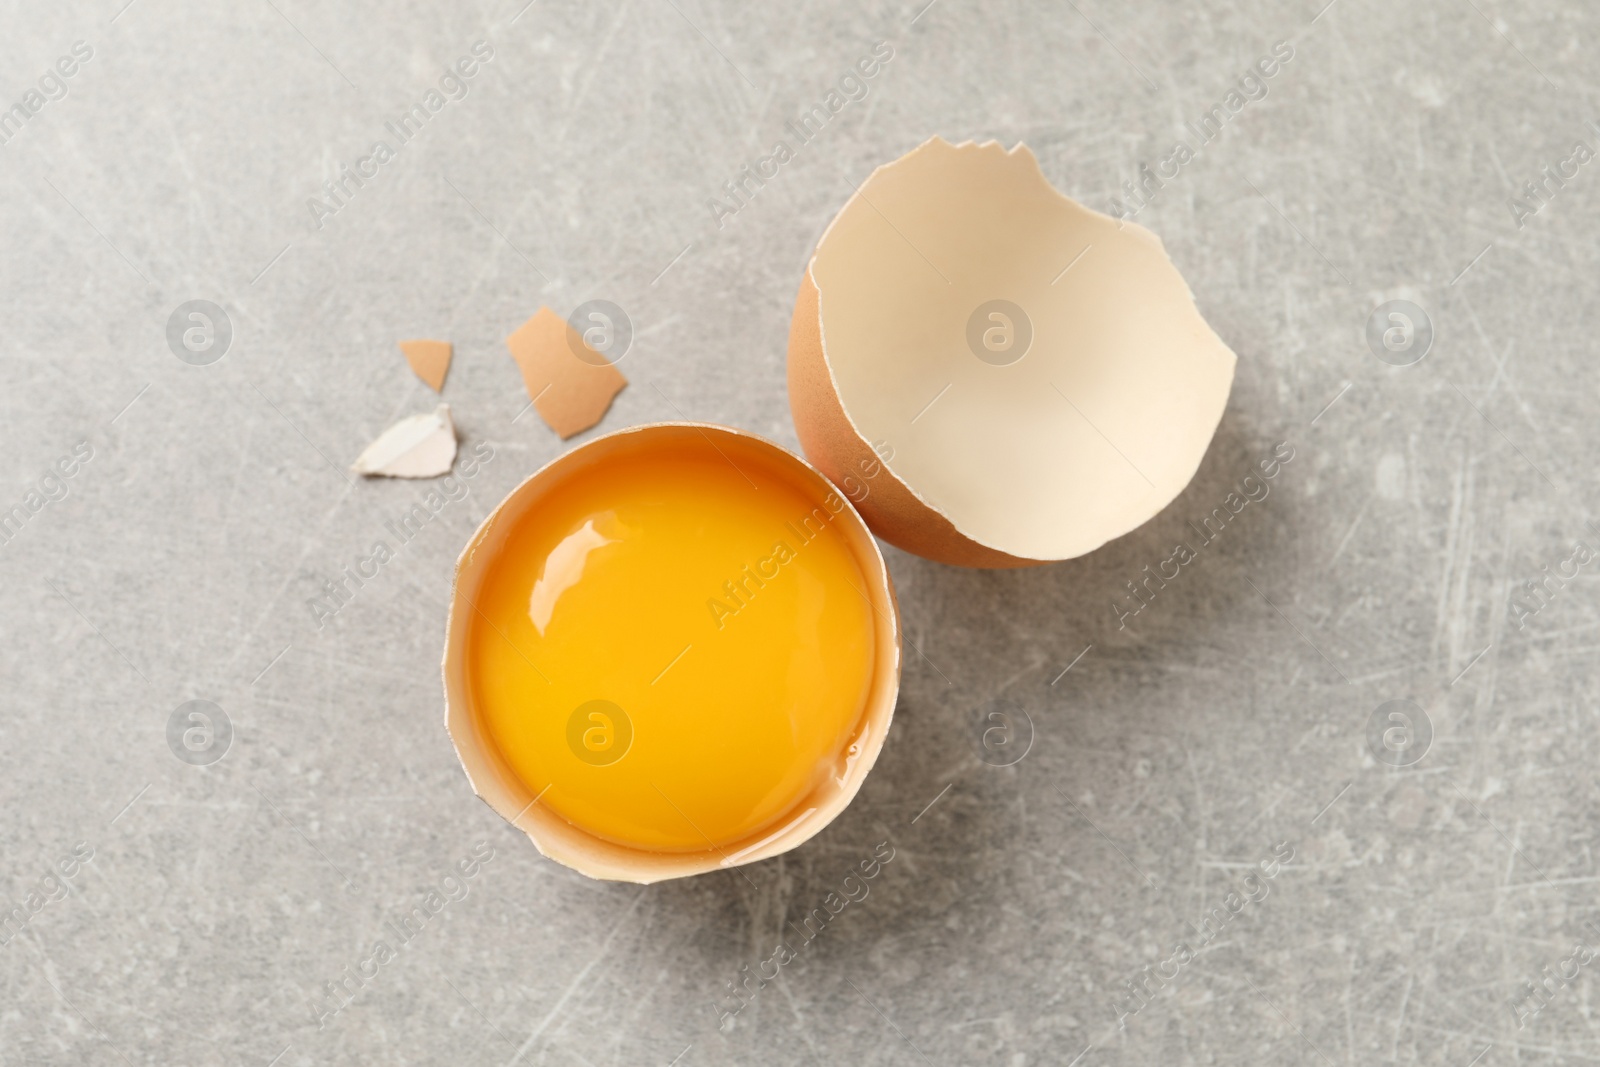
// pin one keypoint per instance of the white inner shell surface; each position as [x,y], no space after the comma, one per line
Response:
[1102,421]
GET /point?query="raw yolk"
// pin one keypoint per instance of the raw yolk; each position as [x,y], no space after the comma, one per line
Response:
[673,650]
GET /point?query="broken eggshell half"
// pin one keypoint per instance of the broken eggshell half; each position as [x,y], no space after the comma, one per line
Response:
[995,374]
[499,786]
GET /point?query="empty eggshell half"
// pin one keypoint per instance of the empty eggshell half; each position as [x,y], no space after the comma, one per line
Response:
[996,375]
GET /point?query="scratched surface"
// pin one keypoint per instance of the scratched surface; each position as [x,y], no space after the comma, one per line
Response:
[1214,839]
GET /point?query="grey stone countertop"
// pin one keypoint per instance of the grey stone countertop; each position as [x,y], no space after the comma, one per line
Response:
[1423,871]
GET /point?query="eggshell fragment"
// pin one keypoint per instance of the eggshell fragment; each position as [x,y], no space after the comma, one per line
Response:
[418,446]
[1025,377]
[430,360]
[571,385]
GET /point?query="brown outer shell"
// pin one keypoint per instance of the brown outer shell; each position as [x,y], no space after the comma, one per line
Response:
[831,442]
[497,786]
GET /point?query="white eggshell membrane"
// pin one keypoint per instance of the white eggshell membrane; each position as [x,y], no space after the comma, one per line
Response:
[1103,420]
[418,446]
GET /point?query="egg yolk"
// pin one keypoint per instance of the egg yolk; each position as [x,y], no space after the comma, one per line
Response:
[673,650]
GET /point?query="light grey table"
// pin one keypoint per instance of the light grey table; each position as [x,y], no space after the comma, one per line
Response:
[1438,862]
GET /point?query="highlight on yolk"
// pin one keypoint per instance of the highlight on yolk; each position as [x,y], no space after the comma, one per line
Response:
[673,649]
